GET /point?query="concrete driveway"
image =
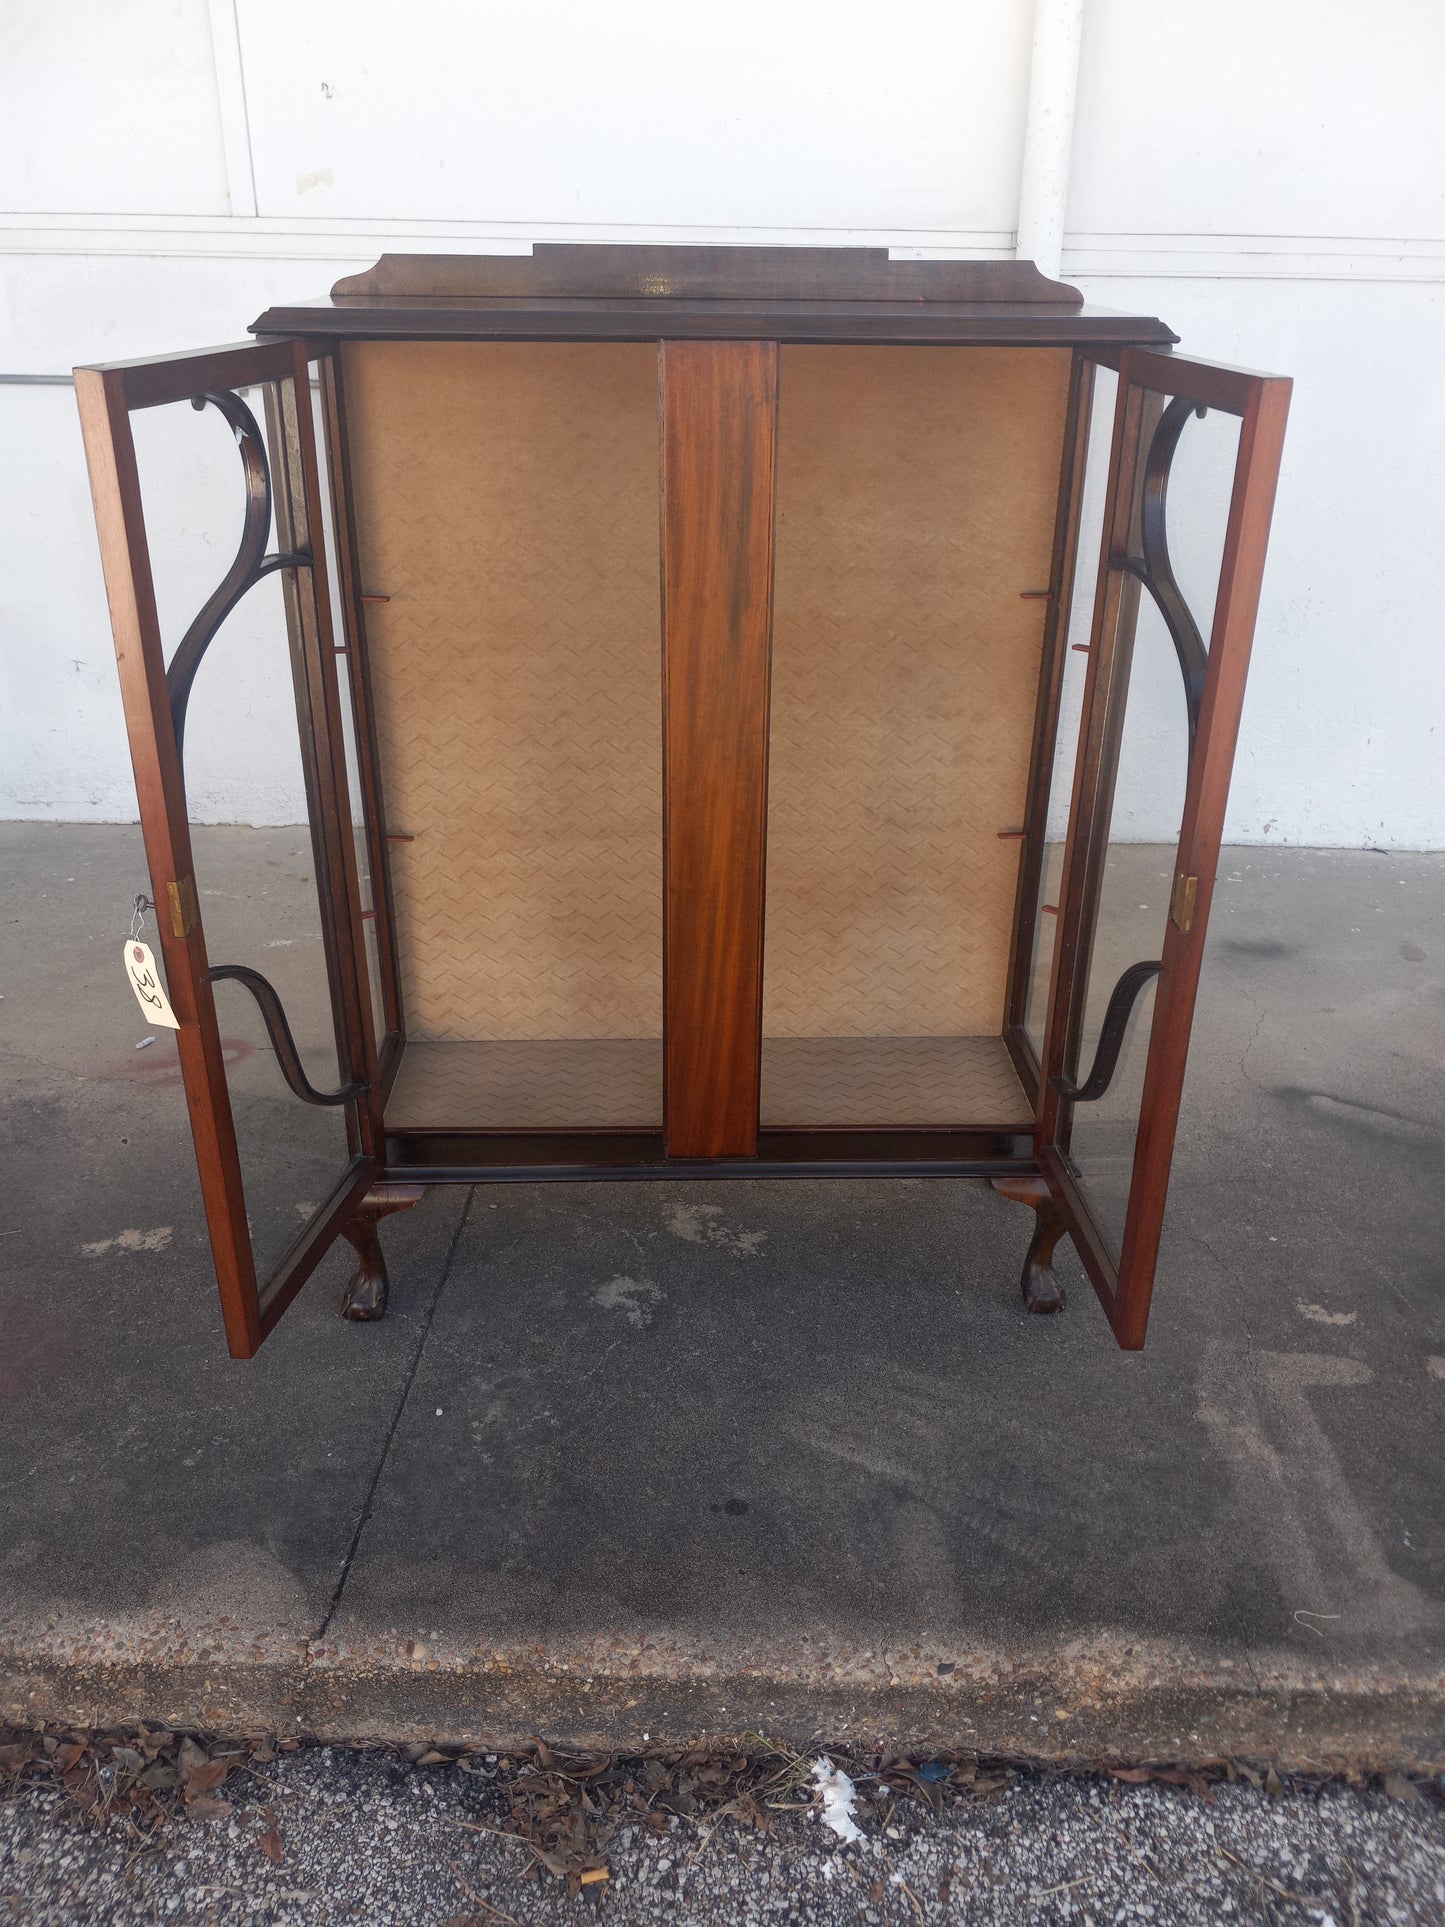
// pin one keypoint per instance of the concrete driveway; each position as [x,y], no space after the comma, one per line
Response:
[627,1463]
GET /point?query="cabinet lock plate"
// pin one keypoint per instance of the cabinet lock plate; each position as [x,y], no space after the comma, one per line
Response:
[1181,908]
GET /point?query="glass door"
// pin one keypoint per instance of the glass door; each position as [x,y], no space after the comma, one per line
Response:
[318,1041]
[1166,659]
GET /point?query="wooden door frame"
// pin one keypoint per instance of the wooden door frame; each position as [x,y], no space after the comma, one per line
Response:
[353,597]
[1063,570]
[1146,378]
[107,396]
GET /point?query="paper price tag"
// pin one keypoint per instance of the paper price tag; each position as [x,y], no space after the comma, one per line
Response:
[145,981]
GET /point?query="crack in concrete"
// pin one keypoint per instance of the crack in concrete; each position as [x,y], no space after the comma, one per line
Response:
[364,1519]
[1253,1040]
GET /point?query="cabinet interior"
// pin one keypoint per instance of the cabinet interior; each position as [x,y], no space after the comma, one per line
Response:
[506,501]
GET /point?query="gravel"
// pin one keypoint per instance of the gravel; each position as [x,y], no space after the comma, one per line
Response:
[363,1836]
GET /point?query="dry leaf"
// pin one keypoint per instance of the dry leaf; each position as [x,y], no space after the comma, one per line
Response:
[1165,1776]
[270,1844]
[1399,1787]
[203,1778]
[205,1808]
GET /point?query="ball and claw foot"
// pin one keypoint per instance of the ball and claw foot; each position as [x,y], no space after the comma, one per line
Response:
[1042,1291]
[365,1296]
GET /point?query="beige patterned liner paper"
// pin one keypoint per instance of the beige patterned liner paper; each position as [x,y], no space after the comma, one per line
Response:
[916,499]
[506,502]
[615,1084]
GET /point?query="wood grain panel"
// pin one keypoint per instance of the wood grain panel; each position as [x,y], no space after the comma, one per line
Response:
[627,292]
[719,436]
[569,270]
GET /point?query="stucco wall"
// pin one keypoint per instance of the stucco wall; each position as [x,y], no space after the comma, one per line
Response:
[1270,180]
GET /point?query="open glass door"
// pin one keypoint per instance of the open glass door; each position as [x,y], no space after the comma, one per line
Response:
[261,1258]
[1164,685]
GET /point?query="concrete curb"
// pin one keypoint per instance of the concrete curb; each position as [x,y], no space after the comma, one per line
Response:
[1088,1702]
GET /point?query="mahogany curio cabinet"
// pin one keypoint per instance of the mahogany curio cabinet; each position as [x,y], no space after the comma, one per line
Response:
[737,694]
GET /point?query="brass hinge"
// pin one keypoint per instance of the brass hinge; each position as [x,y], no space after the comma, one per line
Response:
[1181,908]
[182,899]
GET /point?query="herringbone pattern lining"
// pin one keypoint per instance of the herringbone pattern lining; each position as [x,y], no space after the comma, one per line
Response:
[616,1084]
[916,493]
[506,500]
[536,1084]
[897,1081]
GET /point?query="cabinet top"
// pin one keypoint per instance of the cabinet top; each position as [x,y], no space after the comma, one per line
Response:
[569,291]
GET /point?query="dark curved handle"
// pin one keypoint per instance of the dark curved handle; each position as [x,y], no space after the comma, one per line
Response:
[251,561]
[1111,1037]
[1155,569]
[279,1031]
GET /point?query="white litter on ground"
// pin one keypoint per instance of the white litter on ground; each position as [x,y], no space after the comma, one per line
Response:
[838,1793]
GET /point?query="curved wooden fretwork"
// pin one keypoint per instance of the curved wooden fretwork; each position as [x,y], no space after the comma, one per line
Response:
[1153,568]
[250,565]
[1152,565]
[1111,1037]
[273,1015]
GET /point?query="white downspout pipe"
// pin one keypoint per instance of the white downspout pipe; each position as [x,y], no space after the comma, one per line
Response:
[1049,133]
